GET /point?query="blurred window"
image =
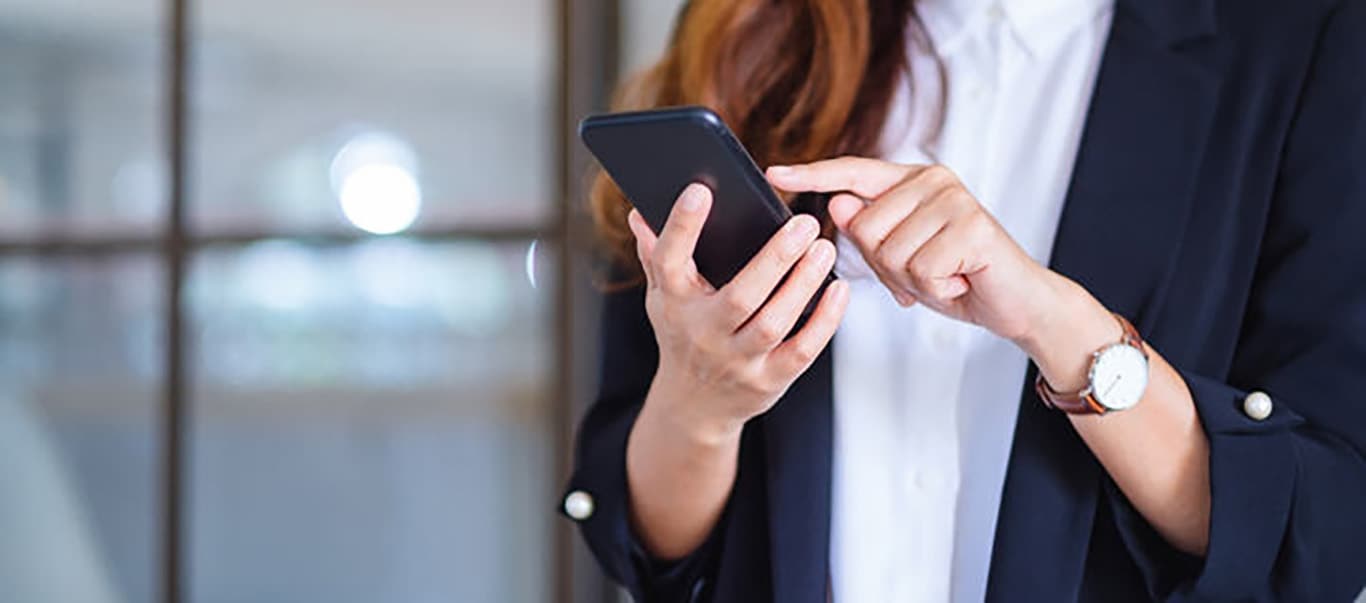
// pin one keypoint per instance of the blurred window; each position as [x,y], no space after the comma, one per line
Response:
[457,95]
[80,371]
[371,423]
[368,317]
[81,89]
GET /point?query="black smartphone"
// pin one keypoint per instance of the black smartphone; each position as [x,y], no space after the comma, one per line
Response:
[653,155]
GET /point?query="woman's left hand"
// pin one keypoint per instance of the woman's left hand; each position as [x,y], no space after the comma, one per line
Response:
[930,241]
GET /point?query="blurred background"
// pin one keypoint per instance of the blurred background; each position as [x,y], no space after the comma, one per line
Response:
[295,295]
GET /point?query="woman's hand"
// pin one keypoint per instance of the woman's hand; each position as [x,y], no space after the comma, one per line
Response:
[930,241]
[722,354]
[722,360]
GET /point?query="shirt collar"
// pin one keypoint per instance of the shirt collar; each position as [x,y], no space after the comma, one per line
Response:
[1034,24]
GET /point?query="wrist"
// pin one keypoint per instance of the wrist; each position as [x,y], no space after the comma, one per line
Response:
[1069,328]
[685,416]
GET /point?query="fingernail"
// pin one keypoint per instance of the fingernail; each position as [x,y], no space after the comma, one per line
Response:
[779,170]
[821,253]
[692,198]
[799,227]
[839,289]
[799,230]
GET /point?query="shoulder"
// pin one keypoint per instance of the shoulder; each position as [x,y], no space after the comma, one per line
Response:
[1287,21]
[1277,48]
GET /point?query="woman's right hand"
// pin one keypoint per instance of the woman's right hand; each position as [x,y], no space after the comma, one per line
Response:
[722,354]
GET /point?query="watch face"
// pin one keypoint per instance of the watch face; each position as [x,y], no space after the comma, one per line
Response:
[1119,376]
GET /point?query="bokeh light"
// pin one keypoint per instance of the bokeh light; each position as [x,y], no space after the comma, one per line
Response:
[374,176]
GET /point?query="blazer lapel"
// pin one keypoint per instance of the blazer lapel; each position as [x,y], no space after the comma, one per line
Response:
[798,446]
[1124,217]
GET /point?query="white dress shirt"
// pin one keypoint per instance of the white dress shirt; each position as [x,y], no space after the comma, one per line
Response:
[925,406]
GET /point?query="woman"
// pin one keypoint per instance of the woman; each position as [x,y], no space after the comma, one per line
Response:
[1102,315]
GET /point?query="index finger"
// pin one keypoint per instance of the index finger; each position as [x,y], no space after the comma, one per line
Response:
[865,177]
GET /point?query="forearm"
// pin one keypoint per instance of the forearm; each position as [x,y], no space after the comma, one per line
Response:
[679,475]
[1156,452]
[1158,456]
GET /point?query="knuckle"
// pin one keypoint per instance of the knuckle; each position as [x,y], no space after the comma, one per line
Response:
[760,386]
[980,225]
[923,281]
[664,265]
[938,173]
[862,230]
[664,313]
[961,197]
[804,353]
[768,329]
[654,304]
[942,198]
[918,269]
[673,279]
[734,302]
[672,285]
[753,380]
[886,260]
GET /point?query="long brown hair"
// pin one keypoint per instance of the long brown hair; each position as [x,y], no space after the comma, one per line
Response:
[796,80]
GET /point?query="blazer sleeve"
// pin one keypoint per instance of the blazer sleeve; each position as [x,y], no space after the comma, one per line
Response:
[629,357]
[1288,492]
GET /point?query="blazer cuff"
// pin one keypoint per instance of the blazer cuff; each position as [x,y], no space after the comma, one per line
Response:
[600,478]
[1252,477]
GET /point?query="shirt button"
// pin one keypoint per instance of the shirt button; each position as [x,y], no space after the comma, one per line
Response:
[1257,406]
[578,505]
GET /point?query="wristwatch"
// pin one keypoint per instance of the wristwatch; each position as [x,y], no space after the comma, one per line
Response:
[1116,380]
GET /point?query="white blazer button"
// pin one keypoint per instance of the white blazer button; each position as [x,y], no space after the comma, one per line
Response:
[1257,406]
[578,505]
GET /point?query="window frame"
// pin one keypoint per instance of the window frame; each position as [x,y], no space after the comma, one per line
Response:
[587,44]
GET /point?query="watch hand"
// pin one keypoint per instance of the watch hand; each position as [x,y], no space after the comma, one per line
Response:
[1113,384]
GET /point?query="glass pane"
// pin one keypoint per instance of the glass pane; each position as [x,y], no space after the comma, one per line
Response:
[80,357]
[370,114]
[371,423]
[80,134]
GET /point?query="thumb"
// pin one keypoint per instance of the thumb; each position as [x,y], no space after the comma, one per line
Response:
[843,207]
[645,244]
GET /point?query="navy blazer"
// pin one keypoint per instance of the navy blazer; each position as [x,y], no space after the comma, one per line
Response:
[1219,201]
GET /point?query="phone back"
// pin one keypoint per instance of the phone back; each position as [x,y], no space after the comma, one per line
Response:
[653,155]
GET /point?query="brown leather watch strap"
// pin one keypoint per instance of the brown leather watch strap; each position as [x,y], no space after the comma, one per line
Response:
[1084,402]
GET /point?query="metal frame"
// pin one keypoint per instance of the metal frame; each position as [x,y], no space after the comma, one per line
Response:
[174,418]
[78,246]
[588,52]
[589,57]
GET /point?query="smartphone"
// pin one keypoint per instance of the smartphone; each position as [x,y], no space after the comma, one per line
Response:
[653,155]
